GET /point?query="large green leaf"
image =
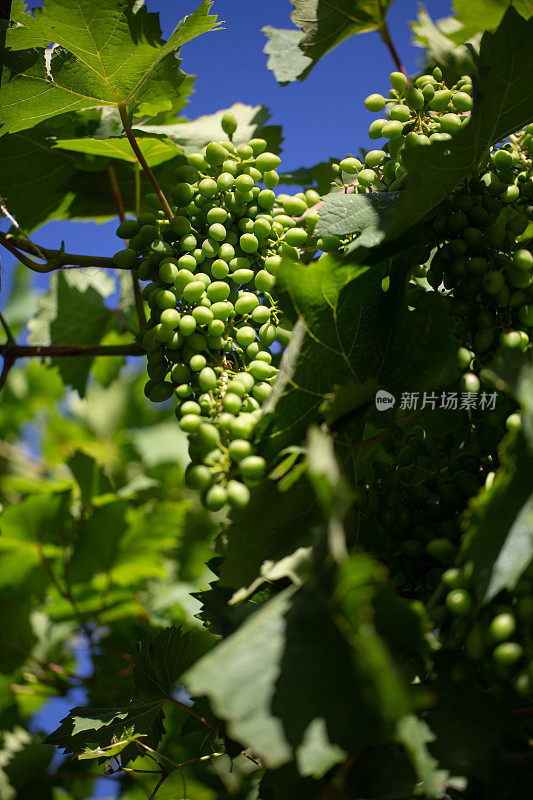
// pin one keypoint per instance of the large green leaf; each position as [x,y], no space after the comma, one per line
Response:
[194,134]
[486,15]
[89,67]
[322,26]
[415,735]
[366,215]
[159,663]
[358,331]
[289,704]
[499,537]
[503,104]
[443,43]
[16,633]
[73,312]
[155,150]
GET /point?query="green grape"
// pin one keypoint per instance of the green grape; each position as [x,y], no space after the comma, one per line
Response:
[168,271]
[266,162]
[216,498]
[398,81]
[161,391]
[190,423]
[238,494]
[127,229]
[414,98]
[245,335]
[239,449]
[264,281]
[374,102]
[252,467]
[180,373]
[207,379]
[392,129]
[296,237]
[375,157]
[350,165]
[507,653]
[459,602]
[462,101]
[198,477]
[266,199]
[523,259]
[260,314]
[366,178]
[125,259]
[229,123]
[218,291]
[170,318]
[270,179]
[215,154]
[193,291]
[502,627]
[249,243]
[231,402]
[242,276]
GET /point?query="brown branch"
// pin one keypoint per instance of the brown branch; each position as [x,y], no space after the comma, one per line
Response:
[8,363]
[192,712]
[15,351]
[115,188]
[7,329]
[389,44]
[160,782]
[142,161]
[55,259]
[117,196]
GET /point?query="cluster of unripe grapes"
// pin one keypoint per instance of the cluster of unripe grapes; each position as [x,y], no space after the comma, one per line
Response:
[414,502]
[498,639]
[213,320]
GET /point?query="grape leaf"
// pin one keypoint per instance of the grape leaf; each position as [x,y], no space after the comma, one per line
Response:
[24,766]
[155,150]
[87,66]
[443,47]
[160,661]
[98,542]
[499,537]
[357,331]
[194,134]
[415,735]
[73,312]
[364,214]
[16,633]
[281,522]
[481,15]
[322,26]
[504,99]
[89,476]
[285,58]
[289,704]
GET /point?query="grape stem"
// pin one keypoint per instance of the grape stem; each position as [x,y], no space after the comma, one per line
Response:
[9,335]
[117,196]
[55,259]
[389,44]
[142,161]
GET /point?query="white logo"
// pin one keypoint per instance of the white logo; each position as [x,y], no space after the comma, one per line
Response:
[384,400]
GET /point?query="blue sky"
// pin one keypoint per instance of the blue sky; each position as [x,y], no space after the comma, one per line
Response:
[321,117]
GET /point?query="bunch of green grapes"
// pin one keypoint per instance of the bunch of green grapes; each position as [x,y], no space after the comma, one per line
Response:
[211,270]
[497,639]
[413,506]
